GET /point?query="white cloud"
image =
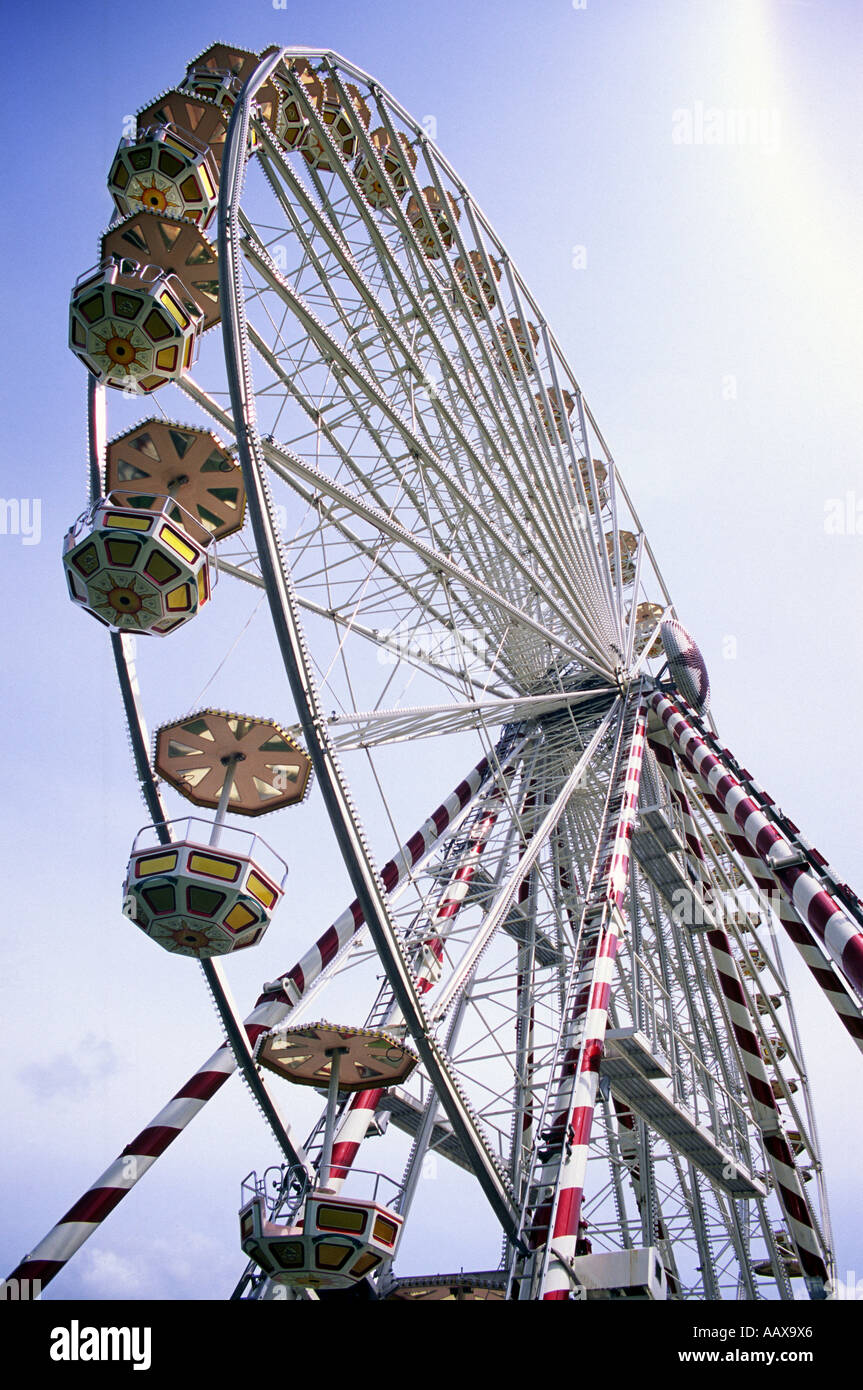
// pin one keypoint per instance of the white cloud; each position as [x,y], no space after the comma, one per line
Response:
[72,1073]
[109,1275]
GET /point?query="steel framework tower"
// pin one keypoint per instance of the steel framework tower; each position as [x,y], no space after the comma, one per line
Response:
[566,982]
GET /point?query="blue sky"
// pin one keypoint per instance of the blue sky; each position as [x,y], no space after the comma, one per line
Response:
[708,296]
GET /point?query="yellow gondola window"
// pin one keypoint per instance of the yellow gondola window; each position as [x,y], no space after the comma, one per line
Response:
[171,538]
[160,568]
[92,308]
[331,1254]
[209,864]
[260,890]
[239,917]
[122,552]
[128,521]
[156,326]
[348,1219]
[155,864]
[385,1231]
[179,600]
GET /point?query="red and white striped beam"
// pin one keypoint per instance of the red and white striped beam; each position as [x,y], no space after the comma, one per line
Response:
[789,1186]
[837,990]
[821,865]
[576,1097]
[765,1111]
[84,1218]
[818,924]
[360,1113]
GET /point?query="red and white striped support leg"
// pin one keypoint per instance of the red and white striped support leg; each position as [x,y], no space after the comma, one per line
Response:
[360,1112]
[576,1101]
[579,1082]
[789,1187]
[84,1218]
[416,848]
[838,992]
[765,1111]
[817,910]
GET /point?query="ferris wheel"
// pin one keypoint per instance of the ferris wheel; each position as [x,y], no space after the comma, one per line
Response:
[565,983]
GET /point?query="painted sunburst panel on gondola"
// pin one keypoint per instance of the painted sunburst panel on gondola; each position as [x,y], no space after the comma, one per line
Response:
[166,170]
[133,328]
